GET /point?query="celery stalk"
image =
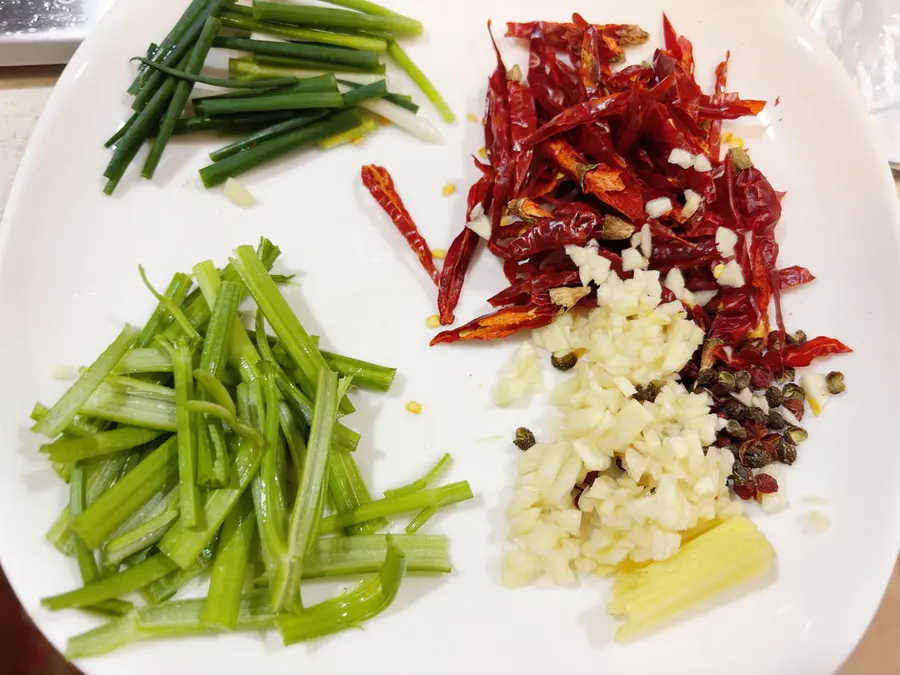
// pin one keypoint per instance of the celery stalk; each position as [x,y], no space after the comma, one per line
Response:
[350,556]
[191,505]
[423,482]
[368,599]
[160,319]
[165,587]
[65,410]
[102,443]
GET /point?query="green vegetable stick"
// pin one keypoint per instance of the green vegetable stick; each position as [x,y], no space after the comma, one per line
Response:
[367,600]
[144,360]
[117,585]
[193,77]
[102,443]
[235,20]
[323,17]
[165,587]
[222,604]
[176,292]
[131,410]
[133,490]
[362,554]
[191,505]
[65,410]
[436,498]
[297,121]
[401,58]
[337,56]
[365,375]
[269,102]
[423,482]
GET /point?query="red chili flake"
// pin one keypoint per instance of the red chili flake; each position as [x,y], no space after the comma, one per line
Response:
[791,277]
[381,186]
[745,491]
[766,484]
[777,101]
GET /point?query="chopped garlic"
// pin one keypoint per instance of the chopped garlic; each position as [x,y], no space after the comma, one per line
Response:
[815,386]
[675,282]
[681,158]
[646,243]
[703,298]
[476,211]
[789,417]
[729,274]
[774,502]
[238,195]
[522,376]
[633,260]
[63,372]
[656,208]
[591,265]
[701,164]
[692,202]
[481,226]
[726,240]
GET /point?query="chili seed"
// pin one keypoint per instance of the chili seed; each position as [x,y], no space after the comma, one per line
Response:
[741,379]
[796,435]
[524,439]
[564,362]
[787,451]
[706,377]
[793,392]
[835,382]
[736,430]
[734,410]
[726,379]
[775,421]
[796,338]
[774,397]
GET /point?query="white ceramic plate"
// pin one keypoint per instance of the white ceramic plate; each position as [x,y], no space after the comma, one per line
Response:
[68,279]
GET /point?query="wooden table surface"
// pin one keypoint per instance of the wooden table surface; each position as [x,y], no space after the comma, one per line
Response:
[23,93]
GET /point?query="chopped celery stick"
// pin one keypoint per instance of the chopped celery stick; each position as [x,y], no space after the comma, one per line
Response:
[173,309]
[365,375]
[208,279]
[144,535]
[294,436]
[168,619]
[436,498]
[215,389]
[222,604]
[120,584]
[191,504]
[78,427]
[351,556]
[135,387]
[144,360]
[310,502]
[368,599]
[423,482]
[160,319]
[420,519]
[347,491]
[65,410]
[183,545]
[215,348]
[164,588]
[130,492]
[102,443]
[131,410]
[344,438]
[243,430]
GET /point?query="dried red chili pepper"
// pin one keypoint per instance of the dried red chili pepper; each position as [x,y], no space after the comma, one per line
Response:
[582,113]
[803,355]
[553,233]
[500,324]
[714,139]
[791,277]
[381,186]
[565,35]
[525,290]
[523,123]
[459,255]
[756,200]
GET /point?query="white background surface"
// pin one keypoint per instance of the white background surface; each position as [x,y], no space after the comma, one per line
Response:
[97,316]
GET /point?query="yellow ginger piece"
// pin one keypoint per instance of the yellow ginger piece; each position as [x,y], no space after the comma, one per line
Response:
[725,556]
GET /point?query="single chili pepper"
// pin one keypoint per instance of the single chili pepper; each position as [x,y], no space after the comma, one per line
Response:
[459,255]
[498,135]
[729,107]
[553,233]
[630,77]
[562,34]
[791,277]
[589,68]
[527,209]
[550,99]
[523,122]
[581,113]
[763,253]
[757,202]
[803,355]
[525,290]
[500,324]
[381,186]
